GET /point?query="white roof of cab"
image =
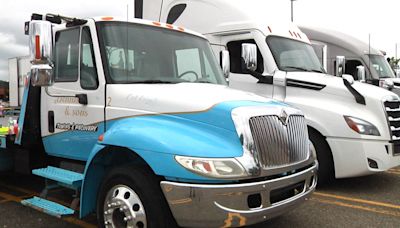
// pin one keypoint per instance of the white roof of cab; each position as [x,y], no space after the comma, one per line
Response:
[340,39]
[220,16]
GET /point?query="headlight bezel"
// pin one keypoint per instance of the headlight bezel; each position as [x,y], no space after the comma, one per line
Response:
[361,126]
[212,167]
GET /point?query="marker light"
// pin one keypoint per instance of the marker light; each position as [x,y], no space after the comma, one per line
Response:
[37,47]
[107,18]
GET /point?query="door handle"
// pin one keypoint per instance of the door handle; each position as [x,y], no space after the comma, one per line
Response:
[82,98]
[51,121]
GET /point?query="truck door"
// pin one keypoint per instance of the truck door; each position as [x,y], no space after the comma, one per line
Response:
[238,79]
[73,108]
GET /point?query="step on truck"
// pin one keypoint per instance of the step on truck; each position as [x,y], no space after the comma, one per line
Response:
[363,62]
[137,119]
[354,127]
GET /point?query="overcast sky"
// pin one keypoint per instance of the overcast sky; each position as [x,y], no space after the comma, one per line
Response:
[358,18]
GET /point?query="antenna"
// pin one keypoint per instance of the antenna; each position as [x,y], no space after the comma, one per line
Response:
[369,53]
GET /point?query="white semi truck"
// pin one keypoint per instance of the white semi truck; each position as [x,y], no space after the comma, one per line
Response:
[354,127]
[137,119]
[363,62]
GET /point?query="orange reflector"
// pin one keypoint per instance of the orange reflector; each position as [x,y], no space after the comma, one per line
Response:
[270,30]
[37,48]
[156,23]
[169,26]
[181,29]
[101,138]
[107,18]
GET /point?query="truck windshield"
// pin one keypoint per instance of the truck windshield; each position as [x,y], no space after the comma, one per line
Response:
[293,55]
[382,67]
[134,53]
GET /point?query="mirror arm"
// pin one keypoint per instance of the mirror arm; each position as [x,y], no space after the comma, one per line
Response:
[265,79]
[360,99]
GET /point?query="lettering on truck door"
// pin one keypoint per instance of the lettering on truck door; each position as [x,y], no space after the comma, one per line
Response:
[70,128]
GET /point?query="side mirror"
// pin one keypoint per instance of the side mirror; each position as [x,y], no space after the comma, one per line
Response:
[387,84]
[225,63]
[361,73]
[340,65]
[348,78]
[40,46]
[249,56]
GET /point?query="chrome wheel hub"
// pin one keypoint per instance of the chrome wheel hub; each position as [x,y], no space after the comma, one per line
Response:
[123,208]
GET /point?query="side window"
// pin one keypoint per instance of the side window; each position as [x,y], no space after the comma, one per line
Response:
[235,52]
[89,79]
[188,64]
[351,68]
[67,55]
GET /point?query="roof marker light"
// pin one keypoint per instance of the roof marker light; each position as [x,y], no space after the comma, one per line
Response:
[107,18]
[169,26]
[181,29]
[156,23]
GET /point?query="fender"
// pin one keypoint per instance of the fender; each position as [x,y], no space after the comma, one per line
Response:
[156,140]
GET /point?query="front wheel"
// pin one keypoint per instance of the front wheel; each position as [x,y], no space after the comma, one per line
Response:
[131,197]
[326,170]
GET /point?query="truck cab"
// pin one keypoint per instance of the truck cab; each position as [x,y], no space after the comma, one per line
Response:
[353,126]
[363,62]
[136,117]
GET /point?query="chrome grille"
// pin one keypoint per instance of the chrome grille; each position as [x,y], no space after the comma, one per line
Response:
[393,113]
[278,144]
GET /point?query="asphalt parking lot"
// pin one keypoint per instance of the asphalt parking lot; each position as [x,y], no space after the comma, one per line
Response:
[372,201]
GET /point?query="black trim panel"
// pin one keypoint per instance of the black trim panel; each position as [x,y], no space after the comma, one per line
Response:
[139,9]
[304,85]
[175,12]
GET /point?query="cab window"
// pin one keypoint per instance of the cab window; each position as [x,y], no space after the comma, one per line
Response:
[88,72]
[67,55]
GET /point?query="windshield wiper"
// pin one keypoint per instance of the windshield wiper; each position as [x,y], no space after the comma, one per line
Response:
[202,81]
[296,68]
[303,69]
[317,71]
[153,82]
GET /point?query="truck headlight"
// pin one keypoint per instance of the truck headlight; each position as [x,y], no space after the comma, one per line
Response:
[361,126]
[223,168]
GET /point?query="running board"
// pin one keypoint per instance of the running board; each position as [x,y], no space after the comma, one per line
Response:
[64,177]
[48,207]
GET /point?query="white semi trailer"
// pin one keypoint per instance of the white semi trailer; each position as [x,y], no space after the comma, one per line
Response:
[354,127]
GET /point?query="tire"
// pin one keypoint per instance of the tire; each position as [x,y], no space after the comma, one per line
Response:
[132,190]
[326,170]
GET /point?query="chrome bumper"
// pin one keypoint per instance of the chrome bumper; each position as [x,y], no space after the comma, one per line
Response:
[227,205]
